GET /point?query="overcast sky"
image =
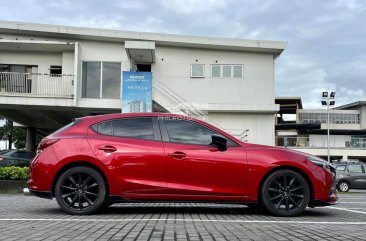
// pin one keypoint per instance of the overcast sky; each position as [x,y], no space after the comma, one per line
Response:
[326,38]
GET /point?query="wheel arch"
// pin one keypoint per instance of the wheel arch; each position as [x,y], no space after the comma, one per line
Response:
[298,170]
[77,164]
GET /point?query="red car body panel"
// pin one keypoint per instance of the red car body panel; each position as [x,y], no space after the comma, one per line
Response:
[154,170]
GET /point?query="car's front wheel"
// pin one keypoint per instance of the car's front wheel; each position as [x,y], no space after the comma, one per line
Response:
[285,193]
[80,190]
[343,186]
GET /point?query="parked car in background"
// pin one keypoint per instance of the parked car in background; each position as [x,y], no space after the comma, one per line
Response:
[95,161]
[18,158]
[350,175]
[4,151]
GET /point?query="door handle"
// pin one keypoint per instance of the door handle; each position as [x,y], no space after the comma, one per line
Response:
[107,148]
[177,154]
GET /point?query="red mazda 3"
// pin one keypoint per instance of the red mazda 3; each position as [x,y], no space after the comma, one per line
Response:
[100,160]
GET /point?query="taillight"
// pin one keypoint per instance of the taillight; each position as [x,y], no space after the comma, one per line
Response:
[46,143]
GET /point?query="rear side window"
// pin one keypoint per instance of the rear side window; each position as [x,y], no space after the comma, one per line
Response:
[355,168]
[341,168]
[104,128]
[140,128]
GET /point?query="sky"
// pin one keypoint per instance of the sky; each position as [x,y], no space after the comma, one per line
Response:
[326,38]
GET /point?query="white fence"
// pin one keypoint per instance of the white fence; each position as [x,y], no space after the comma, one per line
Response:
[35,84]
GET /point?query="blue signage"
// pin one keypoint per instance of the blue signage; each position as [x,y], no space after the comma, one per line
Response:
[136,92]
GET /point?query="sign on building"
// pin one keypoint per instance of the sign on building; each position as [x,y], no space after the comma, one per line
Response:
[136,92]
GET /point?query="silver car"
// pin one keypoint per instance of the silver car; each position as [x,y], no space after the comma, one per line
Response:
[351,176]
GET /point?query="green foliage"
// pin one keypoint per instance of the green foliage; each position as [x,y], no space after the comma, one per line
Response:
[16,133]
[14,173]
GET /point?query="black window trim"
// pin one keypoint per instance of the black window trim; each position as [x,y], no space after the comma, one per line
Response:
[156,131]
[165,135]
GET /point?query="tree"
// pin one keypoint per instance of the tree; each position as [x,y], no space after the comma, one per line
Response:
[15,134]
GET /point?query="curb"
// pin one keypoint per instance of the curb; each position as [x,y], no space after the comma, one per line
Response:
[12,186]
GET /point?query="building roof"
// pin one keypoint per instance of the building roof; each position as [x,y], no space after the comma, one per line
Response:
[289,105]
[351,105]
[48,30]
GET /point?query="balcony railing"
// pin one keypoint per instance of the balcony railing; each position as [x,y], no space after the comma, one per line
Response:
[354,142]
[37,85]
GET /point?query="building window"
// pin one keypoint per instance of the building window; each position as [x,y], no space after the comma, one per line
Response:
[215,71]
[55,70]
[238,71]
[226,71]
[335,118]
[101,80]
[197,70]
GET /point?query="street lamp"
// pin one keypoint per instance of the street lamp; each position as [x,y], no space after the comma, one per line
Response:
[328,100]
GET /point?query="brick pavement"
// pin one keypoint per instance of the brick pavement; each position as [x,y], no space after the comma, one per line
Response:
[31,218]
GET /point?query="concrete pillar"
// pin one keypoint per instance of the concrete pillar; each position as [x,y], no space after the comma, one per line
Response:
[345,157]
[30,143]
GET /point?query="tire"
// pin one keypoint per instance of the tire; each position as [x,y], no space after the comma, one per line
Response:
[343,186]
[285,193]
[80,191]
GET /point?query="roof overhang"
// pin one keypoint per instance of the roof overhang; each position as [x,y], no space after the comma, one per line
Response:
[271,47]
[140,51]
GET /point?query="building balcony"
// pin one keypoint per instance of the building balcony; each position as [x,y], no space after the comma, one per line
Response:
[36,85]
[320,142]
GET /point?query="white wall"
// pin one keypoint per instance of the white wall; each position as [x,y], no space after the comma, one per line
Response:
[260,126]
[42,59]
[256,88]
[68,62]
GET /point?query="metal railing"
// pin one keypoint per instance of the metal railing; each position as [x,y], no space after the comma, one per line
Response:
[174,103]
[36,84]
[348,142]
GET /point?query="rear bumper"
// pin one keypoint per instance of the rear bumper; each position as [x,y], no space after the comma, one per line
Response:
[41,194]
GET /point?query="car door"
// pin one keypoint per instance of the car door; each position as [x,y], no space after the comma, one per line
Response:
[356,176]
[133,151]
[197,170]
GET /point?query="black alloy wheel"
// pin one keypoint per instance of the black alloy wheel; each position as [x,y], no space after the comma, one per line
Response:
[285,193]
[80,190]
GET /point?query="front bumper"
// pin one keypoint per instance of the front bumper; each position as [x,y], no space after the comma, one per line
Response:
[331,200]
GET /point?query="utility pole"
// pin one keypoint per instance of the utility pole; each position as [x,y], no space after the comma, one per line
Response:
[328,100]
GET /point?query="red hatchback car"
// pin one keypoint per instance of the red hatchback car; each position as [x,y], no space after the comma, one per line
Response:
[100,160]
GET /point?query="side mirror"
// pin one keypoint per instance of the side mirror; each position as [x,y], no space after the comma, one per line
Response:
[219,142]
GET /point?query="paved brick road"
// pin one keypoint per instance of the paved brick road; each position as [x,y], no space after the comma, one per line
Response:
[31,218]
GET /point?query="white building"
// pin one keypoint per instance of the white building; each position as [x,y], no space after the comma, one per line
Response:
[51,74]
[309,132]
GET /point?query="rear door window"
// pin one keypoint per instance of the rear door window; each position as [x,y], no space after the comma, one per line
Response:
[139,128]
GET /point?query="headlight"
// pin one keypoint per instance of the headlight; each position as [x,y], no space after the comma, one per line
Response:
[321,163]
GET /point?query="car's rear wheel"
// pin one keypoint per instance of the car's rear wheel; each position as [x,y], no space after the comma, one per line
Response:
[80,190]
[343,186]
[285,193]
